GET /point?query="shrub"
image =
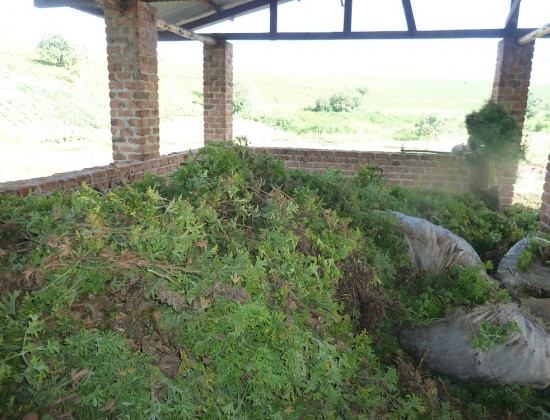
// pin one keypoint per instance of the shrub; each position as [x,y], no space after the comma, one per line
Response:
[535,105]
[428,126]
[56,50]
[362,90]
[339,102]
[344,102]
[322,105]
[241,100]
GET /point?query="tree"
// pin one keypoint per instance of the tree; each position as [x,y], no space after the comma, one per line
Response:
[55,50]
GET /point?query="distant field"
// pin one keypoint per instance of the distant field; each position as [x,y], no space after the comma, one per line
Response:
[53,119]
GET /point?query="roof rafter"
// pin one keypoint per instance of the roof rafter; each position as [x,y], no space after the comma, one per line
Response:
[348,11]
[513,15]
[273,17]
[409,15]
[324,36]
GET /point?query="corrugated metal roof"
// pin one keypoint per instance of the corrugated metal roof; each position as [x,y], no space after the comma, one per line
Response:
[196,14]
[179,12]
[185,11]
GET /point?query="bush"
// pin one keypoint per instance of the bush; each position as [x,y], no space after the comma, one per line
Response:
[535,105]
[339,102]
[322,105]
[344,102]
[55,50]
[241,100]
[429,126]
[362,90]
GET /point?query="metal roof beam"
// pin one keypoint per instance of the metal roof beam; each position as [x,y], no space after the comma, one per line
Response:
[409,15]
[348,11]
[63,3]
[324,36]
[513,15]
[273,17]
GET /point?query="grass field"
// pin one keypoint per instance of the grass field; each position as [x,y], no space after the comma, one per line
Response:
[54,119]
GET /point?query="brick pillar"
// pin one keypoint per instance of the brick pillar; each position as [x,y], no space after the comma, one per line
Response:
[133,81]
[544,225]
[511,89]
[512,77]
[218,92]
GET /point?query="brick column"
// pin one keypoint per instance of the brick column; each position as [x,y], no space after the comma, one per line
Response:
[133,81]
[544,225]
[218,92]
[512,77]
[511,89]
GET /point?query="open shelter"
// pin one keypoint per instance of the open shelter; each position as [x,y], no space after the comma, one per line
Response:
[134,27]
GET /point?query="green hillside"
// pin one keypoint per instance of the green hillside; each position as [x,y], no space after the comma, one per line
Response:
[42,103]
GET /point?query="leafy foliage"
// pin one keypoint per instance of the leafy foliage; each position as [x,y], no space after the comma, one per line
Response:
[436,296]
[429,126]
[538,249]
[241,100]
[347,101]
[494,133]
[489,334]
[232,289]
[56,50]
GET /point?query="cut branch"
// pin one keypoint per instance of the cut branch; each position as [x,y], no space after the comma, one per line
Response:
[537,33]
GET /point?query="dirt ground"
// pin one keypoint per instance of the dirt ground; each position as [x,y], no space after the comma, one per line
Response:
[42,151]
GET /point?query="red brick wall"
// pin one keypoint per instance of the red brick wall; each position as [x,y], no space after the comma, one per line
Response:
[434,172]
[545,208]
[218,92]
[133,81]
[431,171]
[101,178]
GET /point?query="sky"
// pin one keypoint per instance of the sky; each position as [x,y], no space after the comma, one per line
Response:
[452,59]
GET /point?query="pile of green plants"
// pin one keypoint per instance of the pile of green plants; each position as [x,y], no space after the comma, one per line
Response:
[538,250]
[234,289]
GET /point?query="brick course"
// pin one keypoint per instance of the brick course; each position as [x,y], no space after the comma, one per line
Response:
[433,172]
[133,81]
[101,178]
